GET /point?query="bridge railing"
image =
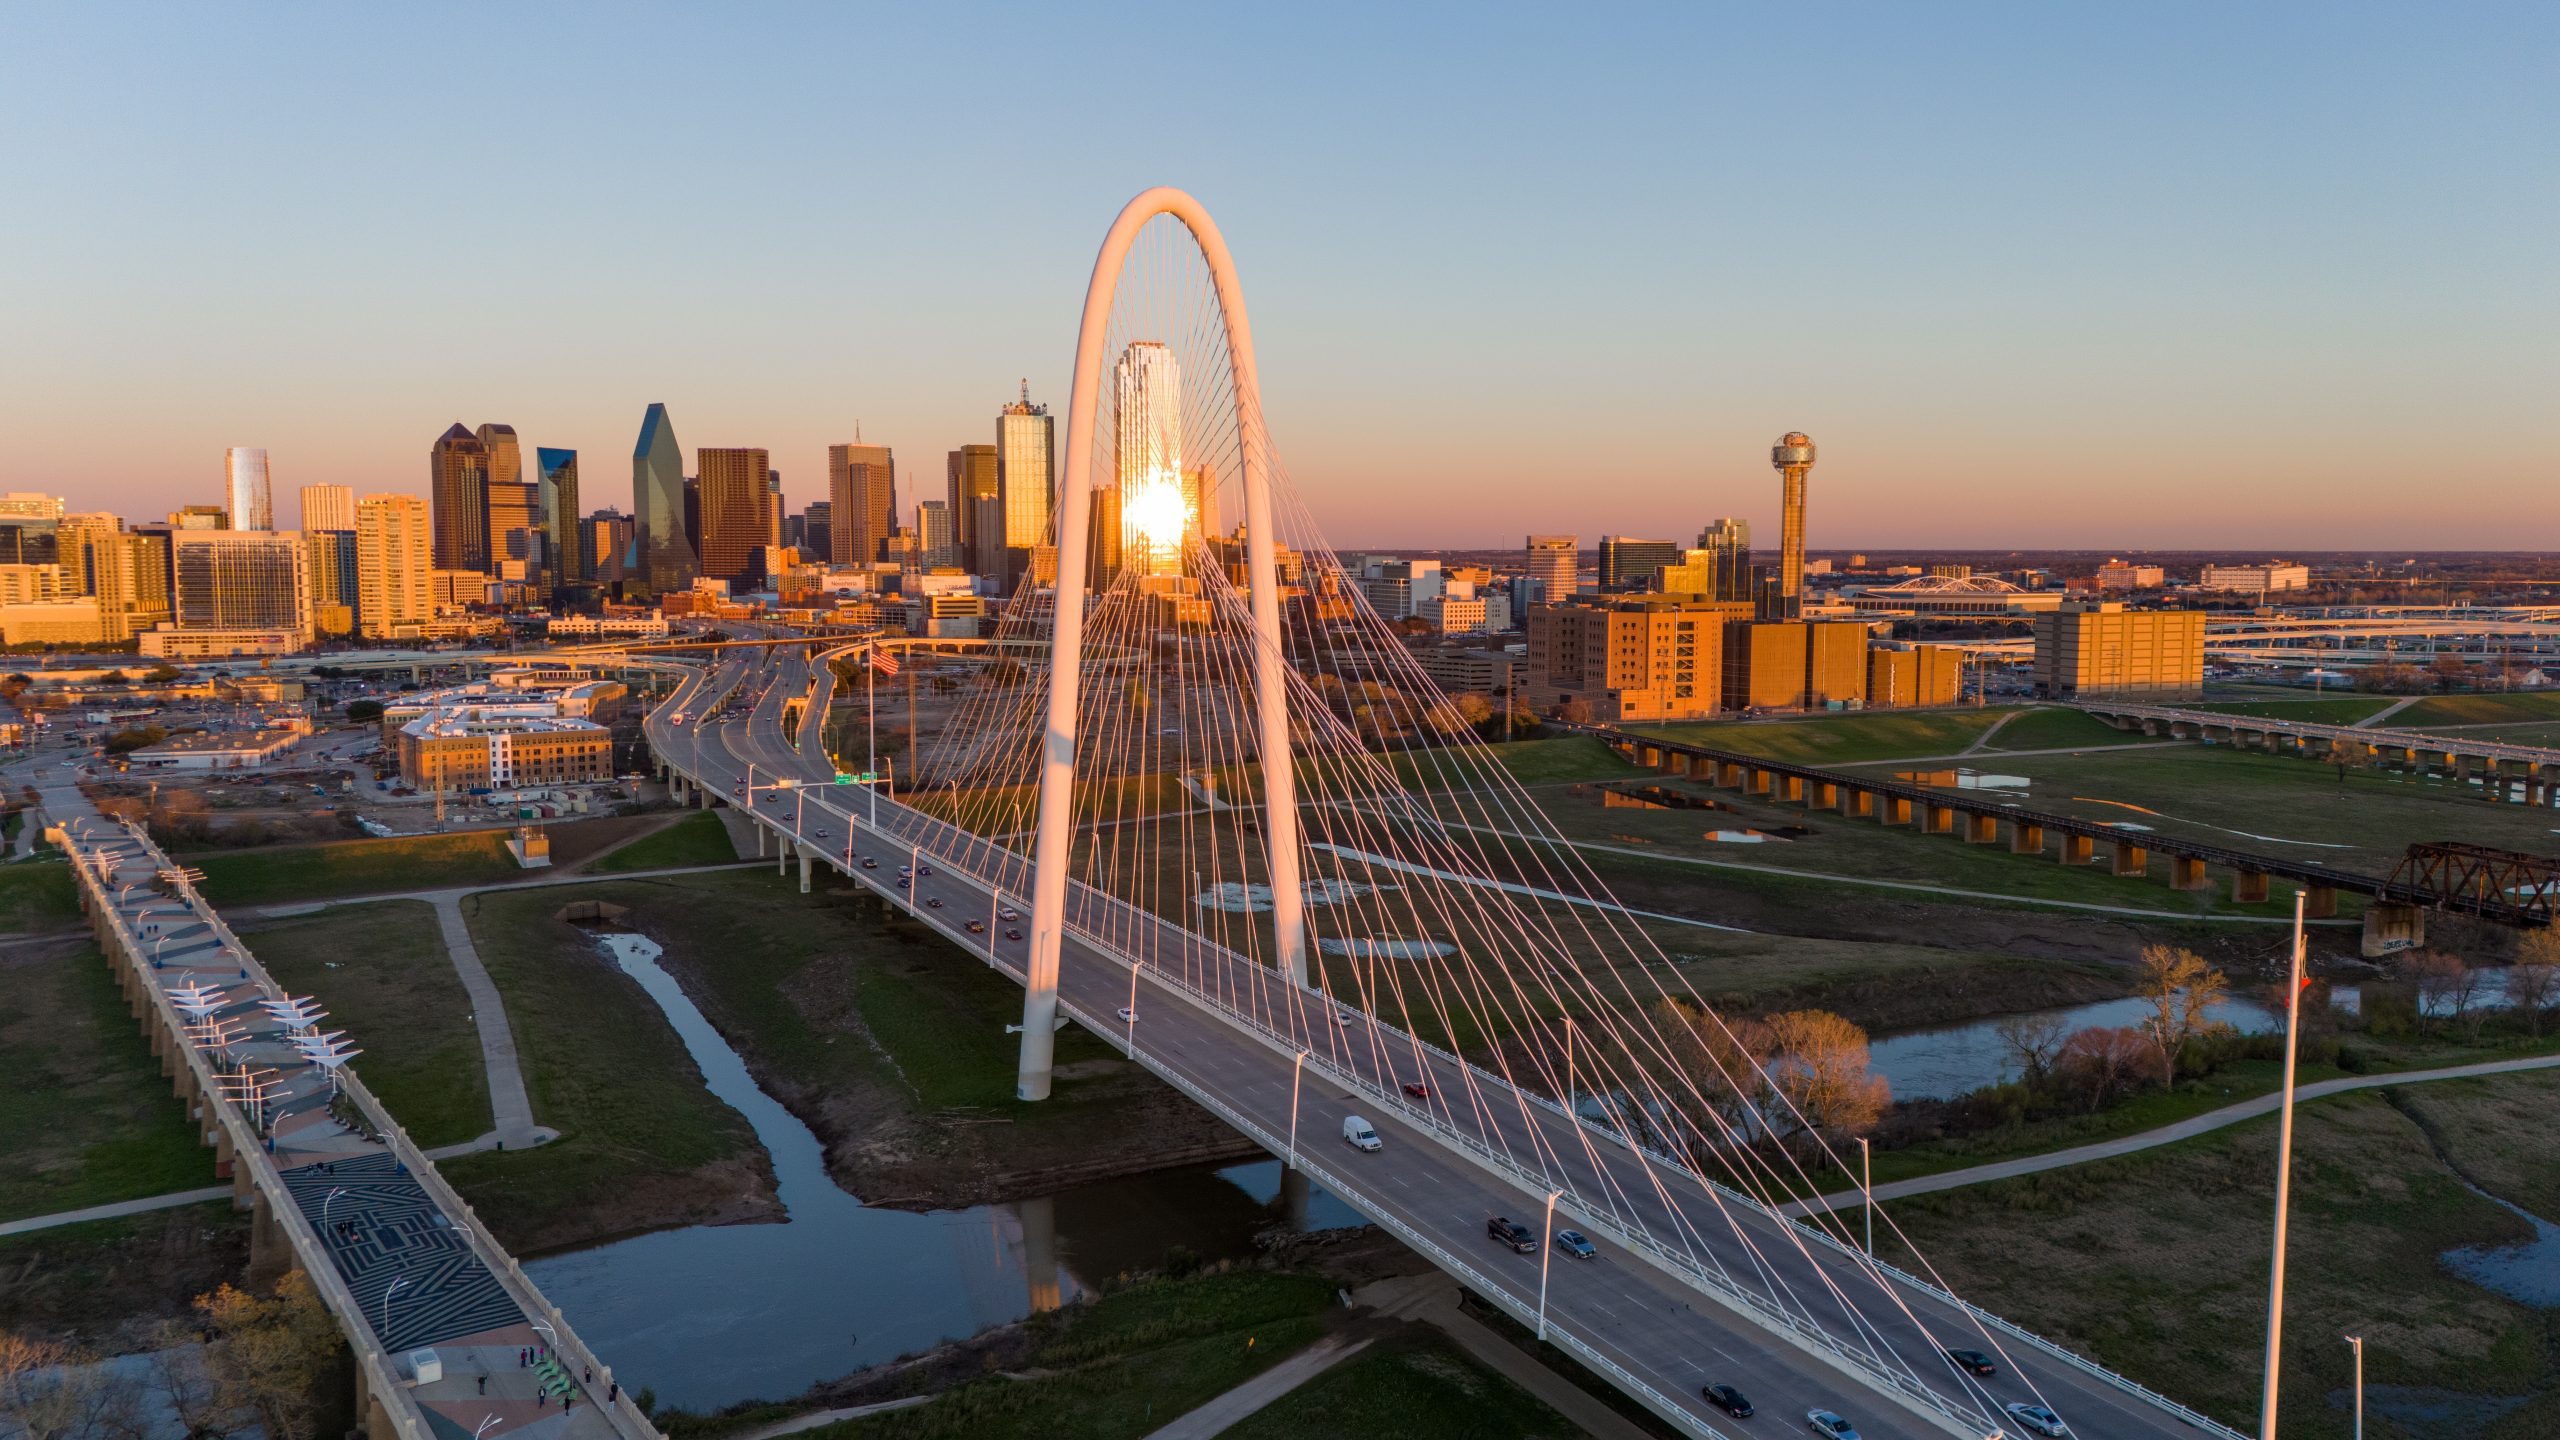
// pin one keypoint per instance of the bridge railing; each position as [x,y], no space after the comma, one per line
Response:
[414,1159]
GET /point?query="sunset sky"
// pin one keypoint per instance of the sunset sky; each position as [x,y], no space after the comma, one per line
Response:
[2284,276]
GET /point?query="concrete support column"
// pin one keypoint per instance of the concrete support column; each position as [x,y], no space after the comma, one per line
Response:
[2132,859]
[1824,795]
[804,869]
[1652,757]
[1982,829]
[1941,819]
[2389,929]
[1728,775]
[270,1254]
[1755,782]
[1857,804]
[2025,838]
[701,797]
[2319,902]
[1894,809]
[2248,887]
[2187,873]
[2078,850]
[1791,788]
[760,839]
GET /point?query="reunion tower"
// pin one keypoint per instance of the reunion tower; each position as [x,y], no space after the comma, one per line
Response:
[1793,455]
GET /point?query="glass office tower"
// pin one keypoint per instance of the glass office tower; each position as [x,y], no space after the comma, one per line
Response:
[661,560]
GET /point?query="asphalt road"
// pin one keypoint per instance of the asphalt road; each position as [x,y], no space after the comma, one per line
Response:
[1446,1166]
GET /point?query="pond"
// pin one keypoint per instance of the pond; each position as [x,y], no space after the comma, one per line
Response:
[710,1315]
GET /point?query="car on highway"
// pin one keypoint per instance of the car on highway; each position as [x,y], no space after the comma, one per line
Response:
[1007,912]
[1127,1015]
[1359,1134]
[1573,1243]
[1342,1016]
[1972,1362]
[977,927]
[933,902]
[1729,1400]
[1013,934]
[870,864]
[925,870]
[1512,1233]
[902,882]
[2037,1420]
[1417,1089]
[1830,1426]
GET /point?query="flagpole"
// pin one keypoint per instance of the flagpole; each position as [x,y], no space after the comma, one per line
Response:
[2284,1178]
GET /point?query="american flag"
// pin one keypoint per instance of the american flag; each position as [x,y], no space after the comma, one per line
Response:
[883,661]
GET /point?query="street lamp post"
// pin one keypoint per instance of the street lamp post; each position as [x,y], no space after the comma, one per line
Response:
[1295,1066]
[2284,1178]
[1867,1187]
[324,1205]
[1546,1255]
[396,1283]
[2356,1343]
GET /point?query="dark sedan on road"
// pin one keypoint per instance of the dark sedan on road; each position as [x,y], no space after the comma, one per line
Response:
[1573,1243]
[1729,1400]
[933,903]
[1013,934]
[1512,1233]
[1972,1362]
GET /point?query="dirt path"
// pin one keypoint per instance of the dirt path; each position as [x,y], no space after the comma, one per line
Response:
[1984,738]
[2386,712]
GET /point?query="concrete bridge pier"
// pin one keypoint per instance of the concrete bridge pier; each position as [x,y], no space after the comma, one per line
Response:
[2132,860]
[2025,838]
[2319,902]
[2248,887]
[1982,829]
[1755,782]
[2079,850]
[804,869]
[1894,809]
[2187,873]
[270,1253]
[1858,804]
[1825,795]
[1728,776]
[1791,788]
[760,839]
[1941,819]
[2389,929]
[702,797]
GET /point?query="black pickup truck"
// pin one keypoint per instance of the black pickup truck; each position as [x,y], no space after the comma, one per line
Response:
[1513,1234]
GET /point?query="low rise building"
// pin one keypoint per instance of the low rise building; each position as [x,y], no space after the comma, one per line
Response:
[2103,648]
[493,748]
[2255,579]
[609,627]
[166,642]
[219,749]
[1653,657]
[1905,675]
[54,622]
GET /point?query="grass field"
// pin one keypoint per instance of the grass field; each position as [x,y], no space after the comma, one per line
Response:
[383,972]
[1412,1385]
[642,1144]
[1842,739]
[1125,1364]
[37,895]
[2495,709]
[697,839]
[2155,1265]
[2308,708]
[85,1117]
[108,1284]
[2051,729]
[408,862]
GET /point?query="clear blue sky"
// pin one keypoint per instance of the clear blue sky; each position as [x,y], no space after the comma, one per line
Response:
[2268,275]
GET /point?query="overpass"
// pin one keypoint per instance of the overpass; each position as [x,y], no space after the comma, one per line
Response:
[1683,1292]
[2530,773]
[432,1306]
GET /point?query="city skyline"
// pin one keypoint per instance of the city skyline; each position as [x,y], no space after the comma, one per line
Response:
[2027,267]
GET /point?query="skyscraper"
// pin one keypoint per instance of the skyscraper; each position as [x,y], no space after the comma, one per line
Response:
[518,544]
[604,545]
[327,507]
[557,485]
[506,460]
[862,500]
[818,530]
[331,568]
[1726,546]
[737,520]
[246,493]
[29,528]
[97,562]
[662,560]
[1793,457]
[241,580]
[458,488]
[1139,521]
[395,566]
[1553,561]
[1627,563]
[977,510]
[1026,482]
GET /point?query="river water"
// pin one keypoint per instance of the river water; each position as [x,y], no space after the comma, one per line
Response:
[710,1315]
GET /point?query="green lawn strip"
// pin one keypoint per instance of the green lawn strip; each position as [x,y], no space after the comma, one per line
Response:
[2054,729]
[85,1117]
[1841,739]
[606,1070]
[1412,1385]
[2478,710]
[1127,1363]
[104,1283]
[698,839]
[355,867]
[2154,1264]
[2308,709]
[40,895]
[383,972]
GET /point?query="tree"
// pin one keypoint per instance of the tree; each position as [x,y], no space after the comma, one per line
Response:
[2032,1042]
[2449,672]
[364,712]
[1576,711]
[1718,1059]
[125,742]
[2446,986]
[273,1356]
[52,1391]
[2105,1058]
[164,672]
[1821,1069]
[2180,988]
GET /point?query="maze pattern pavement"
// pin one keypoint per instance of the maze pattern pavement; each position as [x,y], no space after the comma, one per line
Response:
[398,1235]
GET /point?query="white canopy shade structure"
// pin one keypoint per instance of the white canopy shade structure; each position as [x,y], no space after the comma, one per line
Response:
[197,999]
[299,1013]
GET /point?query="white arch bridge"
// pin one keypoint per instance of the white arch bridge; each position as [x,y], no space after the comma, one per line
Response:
[1385,925]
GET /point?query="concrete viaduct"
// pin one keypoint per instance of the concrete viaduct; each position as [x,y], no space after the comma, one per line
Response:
[2527,772]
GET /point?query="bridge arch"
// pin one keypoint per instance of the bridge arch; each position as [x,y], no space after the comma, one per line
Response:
[1052,841]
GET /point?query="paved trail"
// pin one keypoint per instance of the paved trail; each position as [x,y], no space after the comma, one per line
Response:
[2186,1129]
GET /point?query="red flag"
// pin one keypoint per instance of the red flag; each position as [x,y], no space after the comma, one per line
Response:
[883,661]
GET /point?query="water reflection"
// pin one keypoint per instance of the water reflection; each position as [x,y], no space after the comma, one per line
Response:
[710,1315]
[2527,1272]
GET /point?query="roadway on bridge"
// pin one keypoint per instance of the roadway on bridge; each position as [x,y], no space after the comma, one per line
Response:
[1444,1170]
